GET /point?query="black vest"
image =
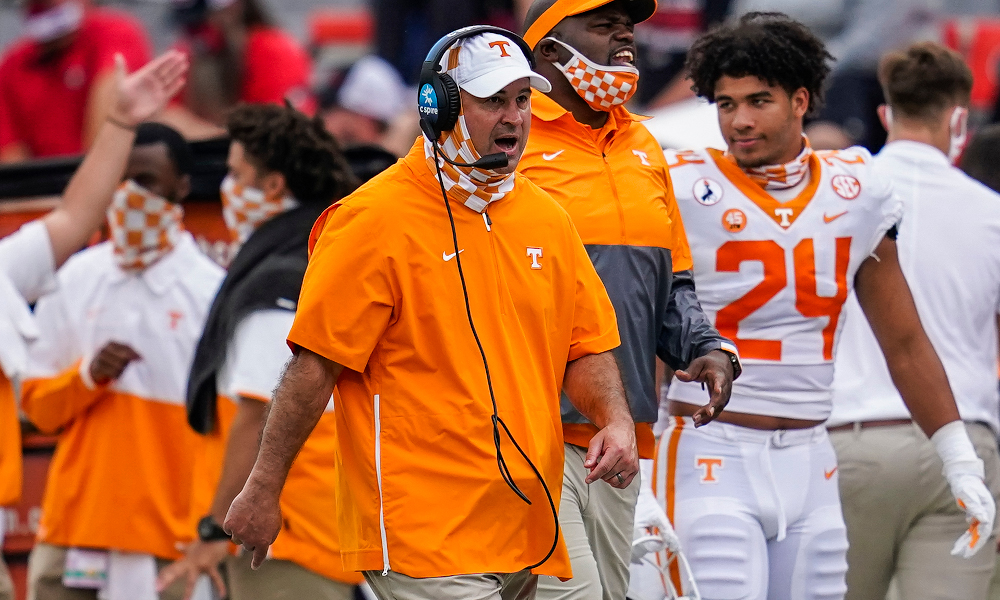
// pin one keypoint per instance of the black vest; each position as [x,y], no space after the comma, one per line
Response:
[265,274]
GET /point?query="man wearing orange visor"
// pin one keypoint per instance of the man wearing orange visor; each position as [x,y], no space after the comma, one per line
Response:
[604,167]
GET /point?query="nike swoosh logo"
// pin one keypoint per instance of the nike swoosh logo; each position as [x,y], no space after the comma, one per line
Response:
[448,257]
[829,474]
[829,219]
[552,156]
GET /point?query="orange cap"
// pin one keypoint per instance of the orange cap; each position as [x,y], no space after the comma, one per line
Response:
[639,10]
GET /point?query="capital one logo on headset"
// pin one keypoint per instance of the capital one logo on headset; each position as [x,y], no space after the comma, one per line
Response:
[428,101]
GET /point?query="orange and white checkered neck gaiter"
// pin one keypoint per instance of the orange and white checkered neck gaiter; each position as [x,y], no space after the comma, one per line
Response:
[475,188]
[144,227]
[783,177]
[244,208]
[602,87]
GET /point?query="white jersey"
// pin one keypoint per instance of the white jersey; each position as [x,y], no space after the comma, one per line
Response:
[948,252]
[257,355]
[773,275]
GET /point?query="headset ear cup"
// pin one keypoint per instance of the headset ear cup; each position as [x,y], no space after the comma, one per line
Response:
[451,106]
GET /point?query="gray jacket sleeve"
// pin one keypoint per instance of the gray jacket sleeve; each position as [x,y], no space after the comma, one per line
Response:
[686,333]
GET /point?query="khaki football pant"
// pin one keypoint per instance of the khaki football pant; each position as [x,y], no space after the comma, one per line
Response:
[484,586]
[597,522]
[281,580]
[902,520]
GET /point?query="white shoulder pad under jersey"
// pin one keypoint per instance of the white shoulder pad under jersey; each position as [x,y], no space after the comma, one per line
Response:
[773,275]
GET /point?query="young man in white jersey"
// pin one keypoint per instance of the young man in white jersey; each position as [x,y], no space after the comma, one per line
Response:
[780,235]
[902,521]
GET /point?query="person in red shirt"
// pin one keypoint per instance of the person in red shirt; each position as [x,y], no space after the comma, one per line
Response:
[238,54]
[54,80]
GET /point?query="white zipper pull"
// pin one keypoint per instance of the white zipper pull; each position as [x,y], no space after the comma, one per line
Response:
[486,219]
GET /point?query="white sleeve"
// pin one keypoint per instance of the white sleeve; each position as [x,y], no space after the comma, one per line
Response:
[57,346]
[258,353]
[17,329]
[890,204]
[26,258]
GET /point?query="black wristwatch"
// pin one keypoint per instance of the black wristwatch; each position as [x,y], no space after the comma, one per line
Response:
[210,531]
[734,360]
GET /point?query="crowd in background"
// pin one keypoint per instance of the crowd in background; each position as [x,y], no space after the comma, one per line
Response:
[246,51]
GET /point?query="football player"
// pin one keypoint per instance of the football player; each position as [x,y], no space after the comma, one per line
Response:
[780,236]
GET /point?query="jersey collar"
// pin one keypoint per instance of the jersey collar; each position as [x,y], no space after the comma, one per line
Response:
[164,273]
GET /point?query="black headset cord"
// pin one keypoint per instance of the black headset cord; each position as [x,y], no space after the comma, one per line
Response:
[501,462]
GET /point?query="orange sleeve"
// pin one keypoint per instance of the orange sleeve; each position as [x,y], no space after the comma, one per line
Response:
[680,251]
[51,403]
[595,327]
[346,299]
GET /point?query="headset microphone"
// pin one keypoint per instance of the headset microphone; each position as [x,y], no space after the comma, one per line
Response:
[490,162]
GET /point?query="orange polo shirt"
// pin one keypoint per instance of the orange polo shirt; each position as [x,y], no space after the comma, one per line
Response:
[419,491]
[615,185]
[10,445]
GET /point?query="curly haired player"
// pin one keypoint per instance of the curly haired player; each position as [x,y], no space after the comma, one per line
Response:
[781,236]
[285,169]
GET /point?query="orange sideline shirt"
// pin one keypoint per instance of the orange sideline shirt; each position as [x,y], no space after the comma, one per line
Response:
[419,491]
[10,445]
[615,184]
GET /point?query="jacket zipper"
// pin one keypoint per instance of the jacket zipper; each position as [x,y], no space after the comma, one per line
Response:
[614,192]
[496,261]
[378,477]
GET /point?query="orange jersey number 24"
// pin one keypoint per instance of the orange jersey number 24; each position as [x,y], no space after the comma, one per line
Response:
[807,301]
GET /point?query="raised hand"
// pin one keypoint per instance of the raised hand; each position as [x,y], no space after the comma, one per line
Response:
[140,95]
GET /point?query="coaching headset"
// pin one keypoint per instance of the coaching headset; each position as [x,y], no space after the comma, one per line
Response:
[439,103]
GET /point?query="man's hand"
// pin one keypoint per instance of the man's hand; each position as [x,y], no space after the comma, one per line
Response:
[612,455]
[715,371]
[254,520]
[146,92]
[972,496]
[110,362]
[200,558]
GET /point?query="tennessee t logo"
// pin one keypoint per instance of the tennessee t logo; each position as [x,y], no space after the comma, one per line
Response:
[502,46]
[535,254]
[708,463]
[175,318]
[785,214]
